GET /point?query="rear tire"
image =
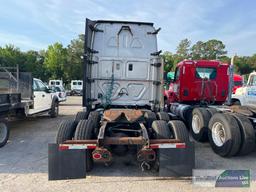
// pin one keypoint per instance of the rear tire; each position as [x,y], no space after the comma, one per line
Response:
[149,117]
[199,124]
[224,134]
[212,111]
[84,131]
[81,115]
[95,117]
[55,109]
[163,116]
[161,129]
[247,134]
[4,134]
[179,130]
[65,131]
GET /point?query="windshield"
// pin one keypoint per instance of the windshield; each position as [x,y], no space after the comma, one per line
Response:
[205,72]
[238,83]
[58,89]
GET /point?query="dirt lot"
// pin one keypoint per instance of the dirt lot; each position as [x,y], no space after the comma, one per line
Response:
[23,163]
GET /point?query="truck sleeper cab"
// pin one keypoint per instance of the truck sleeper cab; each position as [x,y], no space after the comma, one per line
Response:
[200,81]
[122,88]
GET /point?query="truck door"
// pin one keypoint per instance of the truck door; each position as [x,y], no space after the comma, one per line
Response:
[251,91]
[42,99]
[176,84]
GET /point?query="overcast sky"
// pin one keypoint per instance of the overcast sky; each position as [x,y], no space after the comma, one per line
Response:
[34,24]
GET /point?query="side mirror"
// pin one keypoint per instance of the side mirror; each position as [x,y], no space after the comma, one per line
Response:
[48,90]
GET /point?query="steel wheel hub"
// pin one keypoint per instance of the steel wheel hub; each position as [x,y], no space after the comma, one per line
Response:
[218,134]
[196,124]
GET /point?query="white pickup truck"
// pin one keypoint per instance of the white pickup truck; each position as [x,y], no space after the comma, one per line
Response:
[246,95]
[23,96]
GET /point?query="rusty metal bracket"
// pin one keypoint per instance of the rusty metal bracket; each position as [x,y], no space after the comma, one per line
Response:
[145,134]
[101,134]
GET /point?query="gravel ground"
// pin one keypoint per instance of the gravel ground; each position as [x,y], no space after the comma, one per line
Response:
[23,163]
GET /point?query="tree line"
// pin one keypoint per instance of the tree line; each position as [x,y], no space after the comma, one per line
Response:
[56,62]
[59,62]
[210,50]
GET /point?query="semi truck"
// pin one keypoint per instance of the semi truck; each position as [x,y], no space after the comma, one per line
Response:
[22,96]
[122,88]
[198,95]
[246,95]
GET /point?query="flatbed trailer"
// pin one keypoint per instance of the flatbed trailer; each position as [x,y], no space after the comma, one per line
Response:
[18,99]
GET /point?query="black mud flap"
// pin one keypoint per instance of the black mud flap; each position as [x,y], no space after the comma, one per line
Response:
[66,164]
[177,162]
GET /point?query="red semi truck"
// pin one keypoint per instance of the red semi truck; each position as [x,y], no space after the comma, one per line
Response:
[238,82]
[197,95]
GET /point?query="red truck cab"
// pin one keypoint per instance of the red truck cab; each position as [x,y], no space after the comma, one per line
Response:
[199,81]
[238,82]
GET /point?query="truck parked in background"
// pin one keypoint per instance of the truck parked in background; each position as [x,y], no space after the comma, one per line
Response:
[76,87]
[23,96]
[56,83]
[246,95]
[238,82]
[197,96]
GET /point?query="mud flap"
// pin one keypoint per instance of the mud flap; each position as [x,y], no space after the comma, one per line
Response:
[177,162]
[66,164]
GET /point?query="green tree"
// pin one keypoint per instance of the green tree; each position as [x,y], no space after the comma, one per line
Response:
[168,61]
[11,56]
[212,49]
[75,52]
[183,49]
[56,61]
[252,61]
[35,64]
[242,65]
[198,50]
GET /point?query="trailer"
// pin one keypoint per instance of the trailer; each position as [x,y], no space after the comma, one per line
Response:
[22,96]
[122,88]
[198,96]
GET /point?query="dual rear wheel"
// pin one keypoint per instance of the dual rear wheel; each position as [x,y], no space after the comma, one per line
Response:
[229,134]
[174,129]
[81,128]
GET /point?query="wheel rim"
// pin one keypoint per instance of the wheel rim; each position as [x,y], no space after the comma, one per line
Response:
[218,134]
[196,124]
[3,132]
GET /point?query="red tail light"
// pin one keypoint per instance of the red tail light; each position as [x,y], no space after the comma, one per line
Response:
[97,156]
